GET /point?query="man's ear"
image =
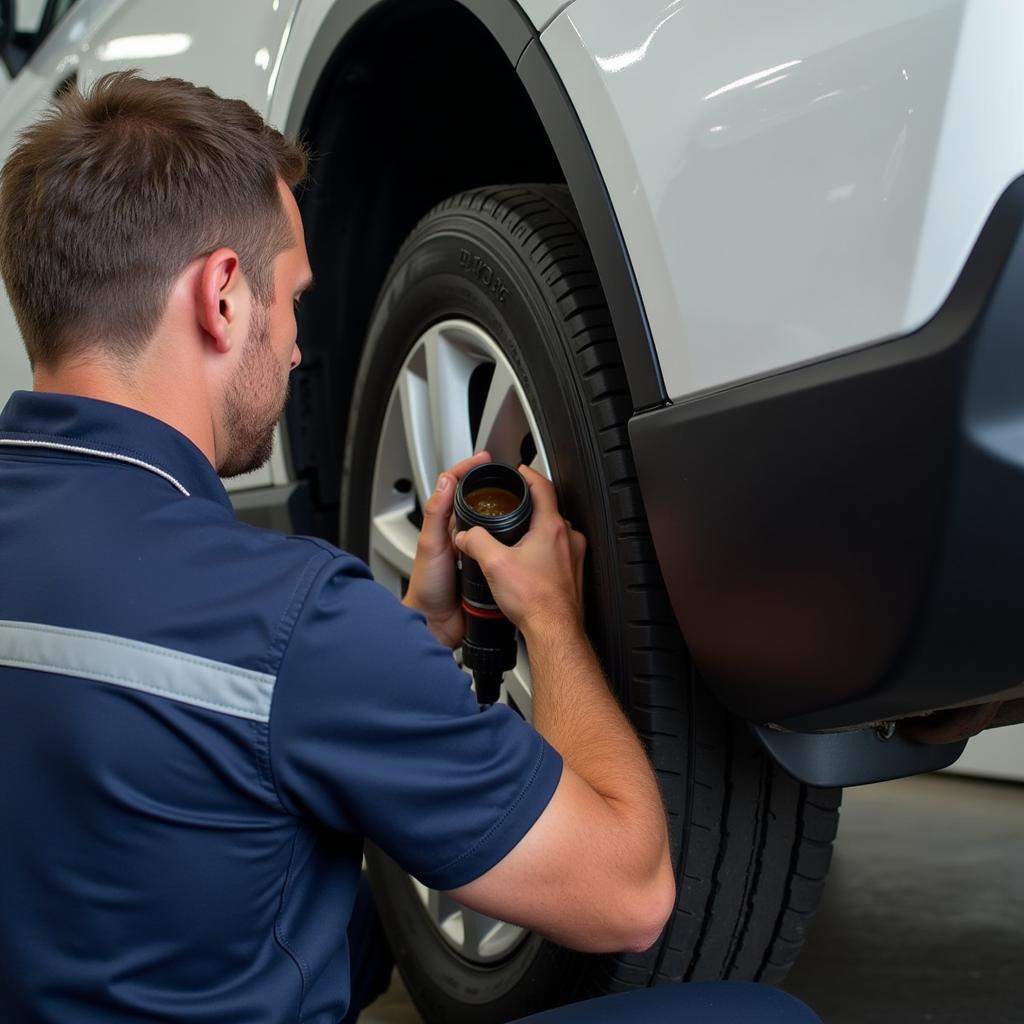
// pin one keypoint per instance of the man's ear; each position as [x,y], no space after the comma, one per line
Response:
[222,287]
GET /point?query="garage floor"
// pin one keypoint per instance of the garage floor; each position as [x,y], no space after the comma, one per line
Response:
[923,917]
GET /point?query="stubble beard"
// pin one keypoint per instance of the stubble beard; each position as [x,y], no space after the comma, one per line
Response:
[250,418]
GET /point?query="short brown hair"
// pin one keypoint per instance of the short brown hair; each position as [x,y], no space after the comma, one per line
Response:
[109,196]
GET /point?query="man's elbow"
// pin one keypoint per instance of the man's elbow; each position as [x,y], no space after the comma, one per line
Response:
[654,908]
[630,924]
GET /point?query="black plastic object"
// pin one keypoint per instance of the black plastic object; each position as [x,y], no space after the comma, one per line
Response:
[842,542]
[854,758]
[489,647]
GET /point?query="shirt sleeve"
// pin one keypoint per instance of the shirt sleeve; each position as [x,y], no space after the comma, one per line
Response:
[374,729]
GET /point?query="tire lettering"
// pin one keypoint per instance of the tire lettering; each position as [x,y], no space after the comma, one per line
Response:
[477,267]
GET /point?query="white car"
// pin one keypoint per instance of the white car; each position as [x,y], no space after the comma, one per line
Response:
[741,277]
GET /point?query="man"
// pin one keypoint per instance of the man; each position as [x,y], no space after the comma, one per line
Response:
[202,720]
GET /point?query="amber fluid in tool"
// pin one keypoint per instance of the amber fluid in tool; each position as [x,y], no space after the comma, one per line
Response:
[493,501]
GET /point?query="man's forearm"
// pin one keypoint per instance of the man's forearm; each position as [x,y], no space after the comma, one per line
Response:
[596,862]
[576,713]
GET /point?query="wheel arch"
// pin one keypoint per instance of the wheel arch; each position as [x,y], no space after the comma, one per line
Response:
[402,105]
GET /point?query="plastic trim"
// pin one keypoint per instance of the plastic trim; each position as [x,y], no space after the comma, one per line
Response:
[853,758]
[600,225]
[840,541]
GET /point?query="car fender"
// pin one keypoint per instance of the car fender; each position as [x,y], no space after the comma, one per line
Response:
[793,180]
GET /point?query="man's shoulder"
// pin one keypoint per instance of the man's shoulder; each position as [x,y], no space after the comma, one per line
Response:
[299,546]
[270,559]
[259,545]
[222,588]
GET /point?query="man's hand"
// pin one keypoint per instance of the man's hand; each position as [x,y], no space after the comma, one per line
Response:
[432,589]
[540,579]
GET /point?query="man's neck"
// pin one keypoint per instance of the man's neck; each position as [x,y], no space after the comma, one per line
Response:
[173,402]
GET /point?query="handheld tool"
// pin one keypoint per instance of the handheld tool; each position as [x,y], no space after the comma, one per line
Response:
[496,497]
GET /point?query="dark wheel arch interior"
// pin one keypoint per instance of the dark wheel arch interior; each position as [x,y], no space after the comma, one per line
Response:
[417,102]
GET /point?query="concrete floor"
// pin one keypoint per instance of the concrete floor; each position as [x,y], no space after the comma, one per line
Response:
[923,918]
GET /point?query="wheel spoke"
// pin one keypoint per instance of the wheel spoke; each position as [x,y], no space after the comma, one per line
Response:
[540,464]
[501,937]
[441,906]
[503,423]
[419,432]
[393,538]
[476,929]
[449,368]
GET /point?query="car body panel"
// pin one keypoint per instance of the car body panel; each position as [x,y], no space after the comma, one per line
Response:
[232,47]
[21,100]
[803,187]
[543,12]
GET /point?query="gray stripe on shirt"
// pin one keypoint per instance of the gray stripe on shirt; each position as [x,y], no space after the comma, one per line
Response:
[147,668]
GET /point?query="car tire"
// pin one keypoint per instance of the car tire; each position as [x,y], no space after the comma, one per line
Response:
[751,846]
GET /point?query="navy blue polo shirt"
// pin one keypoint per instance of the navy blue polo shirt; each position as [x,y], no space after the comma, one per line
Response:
[199,721]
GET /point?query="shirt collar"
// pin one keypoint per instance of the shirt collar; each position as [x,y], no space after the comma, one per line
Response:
[112,431]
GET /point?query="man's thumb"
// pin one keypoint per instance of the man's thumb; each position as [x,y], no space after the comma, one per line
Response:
[440,501]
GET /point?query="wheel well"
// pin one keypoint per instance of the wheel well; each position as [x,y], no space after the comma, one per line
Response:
[417,103]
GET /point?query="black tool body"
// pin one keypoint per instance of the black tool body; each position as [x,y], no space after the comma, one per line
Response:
[496,497]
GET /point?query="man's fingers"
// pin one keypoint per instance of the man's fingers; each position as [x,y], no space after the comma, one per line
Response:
[440,501]
[480,546]
[460,469]
[542,492]
[437,533]
[442,498]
